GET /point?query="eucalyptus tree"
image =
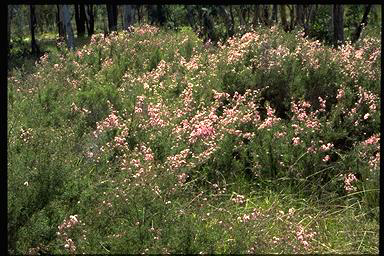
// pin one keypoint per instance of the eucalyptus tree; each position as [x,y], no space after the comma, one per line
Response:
[338,24]
[129,16]
[362,24]
[65,17]
[32,26]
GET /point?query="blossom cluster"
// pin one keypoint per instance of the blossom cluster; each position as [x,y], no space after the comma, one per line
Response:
[66,226]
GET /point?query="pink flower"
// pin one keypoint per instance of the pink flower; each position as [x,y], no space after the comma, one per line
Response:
[327,147]
[374,139]
[296,141]
[340,93]
[326,158]
[322,104]
[348,179]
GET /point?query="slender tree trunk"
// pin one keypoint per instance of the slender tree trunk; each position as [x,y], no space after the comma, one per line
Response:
[139,15]
[283,17]
[362,24]
[112,17]
[308,18]
[60,24]
[128,17]
[243,14]
[232,16]
[292,17]
[208,26]
[33,24]
[274,13]
[90,22]
[161,14]
[9,20]
[77,19]
[227,19]
[241,18]
[66,19]
[247,14]
[265,14]
[338,25]
[299,21]
[80,19]
[83,18]
[256,16]
[190,17]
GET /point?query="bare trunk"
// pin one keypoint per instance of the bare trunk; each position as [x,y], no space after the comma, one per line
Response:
[60,24]
[274,13]
[292,17]
[190,17]
[9,19]
[362,24]
[241,18]
[299,21]
[128,17]
[265,15]
[256,16]
[232,16]
[228,23]
[112,17]
[139,15]
[66,19]
[283,17]
[33,24]
[80,19]
[90,19]
[338,25]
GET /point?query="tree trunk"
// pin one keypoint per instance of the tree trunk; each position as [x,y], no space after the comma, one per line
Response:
[190,16]
[66,19]
[151,14]
[299,21]
[229,25]
[112,17]
[139,15]
[60,24]
[283,17]
[292,17]
[33,24]
[232,16]
[77,19]
[208,26]
[128,17]
[80,19]
[89,19]
[274,13]
[308,18]
[265,15]
[362,24]
[241,18]
[161,14]
[243,13]
[338,25]
[256,16]
[9,19]
[83,18]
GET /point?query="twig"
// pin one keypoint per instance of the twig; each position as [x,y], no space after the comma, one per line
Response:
[103,246]
[297,160]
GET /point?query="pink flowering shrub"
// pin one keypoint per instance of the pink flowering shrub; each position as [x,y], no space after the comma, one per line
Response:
[162,144]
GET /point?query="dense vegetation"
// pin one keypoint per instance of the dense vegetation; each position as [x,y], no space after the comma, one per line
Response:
[156,142]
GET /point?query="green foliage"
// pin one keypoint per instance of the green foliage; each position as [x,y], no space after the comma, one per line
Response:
[151,142]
